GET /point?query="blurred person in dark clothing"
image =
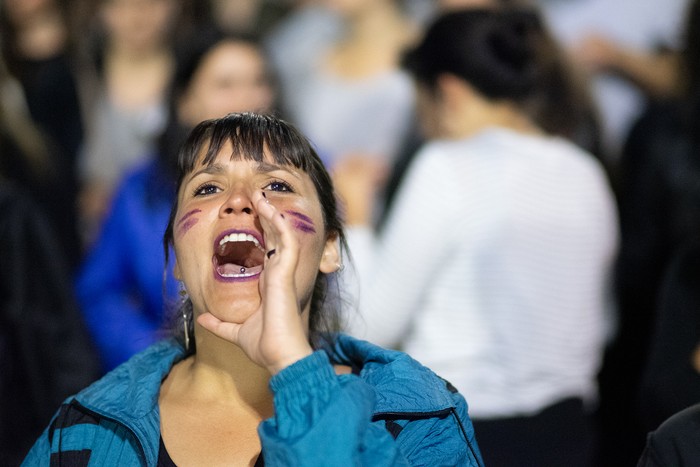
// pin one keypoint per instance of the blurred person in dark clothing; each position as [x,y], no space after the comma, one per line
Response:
[36,53]
[45,352]
[659,190]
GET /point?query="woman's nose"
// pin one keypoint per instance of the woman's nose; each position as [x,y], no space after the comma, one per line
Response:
[238,202]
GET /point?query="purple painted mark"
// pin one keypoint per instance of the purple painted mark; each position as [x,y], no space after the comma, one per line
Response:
[186,222]
[302,222]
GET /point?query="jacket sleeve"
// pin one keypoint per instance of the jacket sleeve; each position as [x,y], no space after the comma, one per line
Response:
[79,437]
[324,419]
[40,453]
[676,442]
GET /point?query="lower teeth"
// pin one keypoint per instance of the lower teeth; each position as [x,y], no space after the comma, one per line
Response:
[238,270]
[238,275]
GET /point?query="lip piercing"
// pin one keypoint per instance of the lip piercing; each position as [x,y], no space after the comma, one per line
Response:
[242,270]
[270,253]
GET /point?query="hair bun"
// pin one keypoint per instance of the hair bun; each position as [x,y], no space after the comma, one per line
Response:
[513,44]
[499,52]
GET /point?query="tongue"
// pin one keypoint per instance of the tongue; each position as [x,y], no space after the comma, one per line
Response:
[229,269]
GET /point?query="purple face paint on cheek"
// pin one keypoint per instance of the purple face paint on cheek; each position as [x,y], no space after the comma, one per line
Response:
[187,221]
[302,222]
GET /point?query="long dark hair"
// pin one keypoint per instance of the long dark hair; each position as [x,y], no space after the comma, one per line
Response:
[252,137]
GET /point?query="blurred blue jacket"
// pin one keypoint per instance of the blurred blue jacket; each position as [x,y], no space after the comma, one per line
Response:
[120,285]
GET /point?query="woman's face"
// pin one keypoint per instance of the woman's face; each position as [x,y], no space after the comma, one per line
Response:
[139,24]
[232,77]
[220,242]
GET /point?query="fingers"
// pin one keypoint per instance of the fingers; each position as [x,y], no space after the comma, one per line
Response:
[279,236]
[223,329]
[273,334]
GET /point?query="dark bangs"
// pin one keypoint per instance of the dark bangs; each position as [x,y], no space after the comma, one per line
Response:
[249,134]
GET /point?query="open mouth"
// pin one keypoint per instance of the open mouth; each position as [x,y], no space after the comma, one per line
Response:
[238,255]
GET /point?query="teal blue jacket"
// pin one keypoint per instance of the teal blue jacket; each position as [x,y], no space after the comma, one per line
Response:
[394,412]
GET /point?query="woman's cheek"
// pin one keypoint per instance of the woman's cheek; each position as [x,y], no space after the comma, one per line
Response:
[186,222]
[301,222]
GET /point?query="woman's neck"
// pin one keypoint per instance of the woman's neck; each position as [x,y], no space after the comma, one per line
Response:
[221,371]
[137,55]
[490,115]
[381,22]
[374,40]
[220,367]
[137,79]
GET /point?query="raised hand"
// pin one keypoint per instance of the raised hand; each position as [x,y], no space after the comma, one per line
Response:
[275,336]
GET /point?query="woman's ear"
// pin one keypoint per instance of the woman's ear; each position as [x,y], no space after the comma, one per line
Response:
[330,261]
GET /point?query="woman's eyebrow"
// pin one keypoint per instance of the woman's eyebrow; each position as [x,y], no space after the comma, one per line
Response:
[267,167]
[208,170]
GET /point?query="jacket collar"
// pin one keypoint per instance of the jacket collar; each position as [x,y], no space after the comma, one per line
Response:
[131,390]
[129,393]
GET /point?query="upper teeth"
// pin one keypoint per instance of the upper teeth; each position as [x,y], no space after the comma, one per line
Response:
[240,237]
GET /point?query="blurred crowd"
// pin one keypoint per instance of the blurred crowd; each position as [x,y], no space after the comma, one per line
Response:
[569,216]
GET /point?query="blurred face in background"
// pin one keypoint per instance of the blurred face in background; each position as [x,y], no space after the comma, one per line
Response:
[232,77]
[139,24]
[21,11]
[351,8]
[236,15]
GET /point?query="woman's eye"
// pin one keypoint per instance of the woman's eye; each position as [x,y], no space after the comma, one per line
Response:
[206,190]
[278,185]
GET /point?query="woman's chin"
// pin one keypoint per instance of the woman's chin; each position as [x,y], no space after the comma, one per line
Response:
[236,311]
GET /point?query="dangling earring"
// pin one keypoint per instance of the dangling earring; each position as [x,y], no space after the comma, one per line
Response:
[185,320]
